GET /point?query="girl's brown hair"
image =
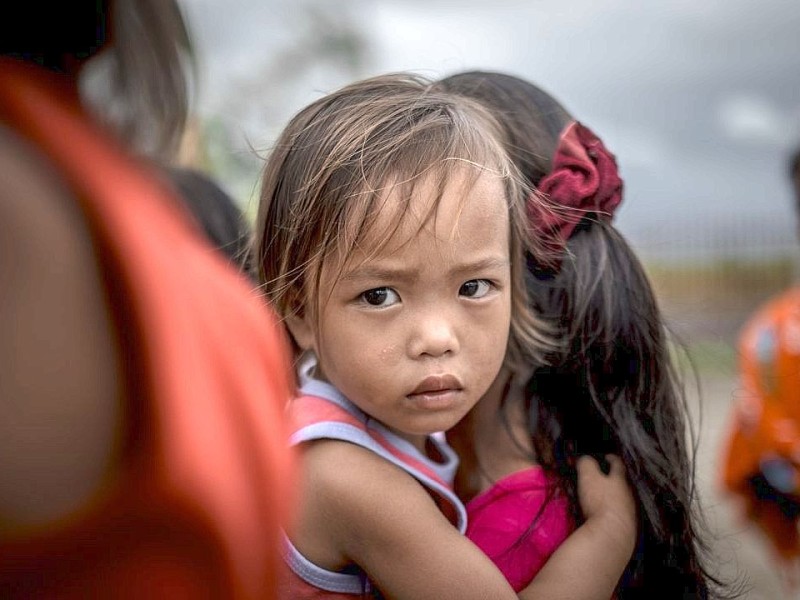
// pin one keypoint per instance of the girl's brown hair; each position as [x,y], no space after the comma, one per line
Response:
[336,161]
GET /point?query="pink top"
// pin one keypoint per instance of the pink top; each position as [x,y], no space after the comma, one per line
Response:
[502,521]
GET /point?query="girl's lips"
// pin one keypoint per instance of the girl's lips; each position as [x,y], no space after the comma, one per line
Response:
[435,386]
[437,392]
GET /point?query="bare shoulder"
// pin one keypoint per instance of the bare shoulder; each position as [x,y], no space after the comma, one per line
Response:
[59,398]
[347,491]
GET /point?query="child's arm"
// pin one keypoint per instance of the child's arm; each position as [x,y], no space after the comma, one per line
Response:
[590,562]
[358,508]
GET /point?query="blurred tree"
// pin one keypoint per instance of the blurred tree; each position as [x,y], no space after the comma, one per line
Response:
[317,46]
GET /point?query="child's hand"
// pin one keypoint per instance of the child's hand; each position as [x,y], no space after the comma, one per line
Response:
[607,502]
[605,541]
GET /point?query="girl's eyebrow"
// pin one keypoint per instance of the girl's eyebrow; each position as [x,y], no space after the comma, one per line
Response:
[488,263]
[381,274]
[386,273]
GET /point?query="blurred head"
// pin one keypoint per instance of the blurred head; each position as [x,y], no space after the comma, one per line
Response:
[141,58]
[214,210]
[356,173]
[36,32]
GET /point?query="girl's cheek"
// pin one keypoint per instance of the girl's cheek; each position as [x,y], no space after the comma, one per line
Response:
[390,354]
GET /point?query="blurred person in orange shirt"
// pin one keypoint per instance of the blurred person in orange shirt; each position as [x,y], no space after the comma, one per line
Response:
[143,449]
[761,460]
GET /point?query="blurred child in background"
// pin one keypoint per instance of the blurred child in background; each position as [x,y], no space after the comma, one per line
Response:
[761,460]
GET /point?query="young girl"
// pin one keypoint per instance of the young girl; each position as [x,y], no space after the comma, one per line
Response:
[609,387]
[389,239]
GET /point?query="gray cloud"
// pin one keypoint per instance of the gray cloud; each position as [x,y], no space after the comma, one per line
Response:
[699,100]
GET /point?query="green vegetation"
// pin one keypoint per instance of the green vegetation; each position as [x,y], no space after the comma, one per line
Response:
[719,358]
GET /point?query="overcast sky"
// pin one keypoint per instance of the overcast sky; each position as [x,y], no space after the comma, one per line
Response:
[699,99]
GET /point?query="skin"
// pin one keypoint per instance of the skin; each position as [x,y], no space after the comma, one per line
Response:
[60,373]
[357,508]
[60,377]
[492,442]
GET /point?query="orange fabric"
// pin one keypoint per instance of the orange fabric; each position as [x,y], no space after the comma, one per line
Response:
[766,421]
[195,507]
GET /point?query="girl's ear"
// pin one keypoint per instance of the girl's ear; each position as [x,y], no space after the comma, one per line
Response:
[302,331]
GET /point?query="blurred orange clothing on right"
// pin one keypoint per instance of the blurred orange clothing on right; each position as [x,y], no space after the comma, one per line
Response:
[764,441]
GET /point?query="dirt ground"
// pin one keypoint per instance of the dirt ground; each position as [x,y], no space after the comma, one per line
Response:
[738,550]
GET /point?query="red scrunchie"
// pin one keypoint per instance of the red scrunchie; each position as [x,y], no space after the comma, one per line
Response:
[584,180]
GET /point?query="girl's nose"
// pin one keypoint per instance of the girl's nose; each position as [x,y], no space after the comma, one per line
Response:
[433,335]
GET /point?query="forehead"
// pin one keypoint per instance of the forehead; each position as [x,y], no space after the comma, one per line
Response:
[467,202]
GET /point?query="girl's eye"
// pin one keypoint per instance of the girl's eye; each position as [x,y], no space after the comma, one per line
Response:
[475,288]
[381,297]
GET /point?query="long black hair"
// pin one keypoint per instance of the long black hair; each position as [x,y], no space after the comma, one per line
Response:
[610,386]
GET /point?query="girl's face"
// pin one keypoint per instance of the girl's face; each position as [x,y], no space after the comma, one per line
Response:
[415,334]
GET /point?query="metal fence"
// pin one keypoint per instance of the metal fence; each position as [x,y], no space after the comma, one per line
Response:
[703,240]
[711,274]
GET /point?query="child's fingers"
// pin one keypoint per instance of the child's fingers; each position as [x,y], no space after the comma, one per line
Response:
[588,471]
[617,466]
[590,466]
[587,463]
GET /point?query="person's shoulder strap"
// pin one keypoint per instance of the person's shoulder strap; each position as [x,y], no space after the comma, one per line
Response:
[315,418]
